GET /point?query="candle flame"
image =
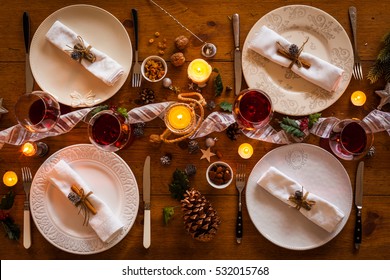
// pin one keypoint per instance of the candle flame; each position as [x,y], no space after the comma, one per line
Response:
[179,116]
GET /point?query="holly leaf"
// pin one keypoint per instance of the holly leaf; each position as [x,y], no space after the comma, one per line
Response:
[226,106]
[291,127]
[7,200]
[168,213]
[218,84]
[122,111]
[313,118]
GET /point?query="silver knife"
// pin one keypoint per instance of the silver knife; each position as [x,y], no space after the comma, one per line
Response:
[146,196]
[237,54]
[359,204]
[26,32]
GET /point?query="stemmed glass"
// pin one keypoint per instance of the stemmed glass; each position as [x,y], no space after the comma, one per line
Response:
[37,111]
[252,109]
[350,139]
[109,130]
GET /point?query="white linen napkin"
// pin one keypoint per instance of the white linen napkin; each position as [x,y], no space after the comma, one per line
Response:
[322,213]
[104,222]
[320,73]
[105,68]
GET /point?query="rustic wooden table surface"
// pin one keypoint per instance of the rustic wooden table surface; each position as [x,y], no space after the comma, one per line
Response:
[210,20]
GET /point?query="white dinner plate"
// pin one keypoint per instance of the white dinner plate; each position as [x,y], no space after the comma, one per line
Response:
[291,94]
[108,176]
[321,174]
[57,74]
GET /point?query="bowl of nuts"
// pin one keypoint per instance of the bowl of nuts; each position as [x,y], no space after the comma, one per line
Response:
[219,174]
[154,68]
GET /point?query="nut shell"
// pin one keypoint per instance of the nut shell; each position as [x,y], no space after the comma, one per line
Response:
[178,59]
[181,42]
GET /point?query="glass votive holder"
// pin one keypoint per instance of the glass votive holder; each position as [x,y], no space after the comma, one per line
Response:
[180,118]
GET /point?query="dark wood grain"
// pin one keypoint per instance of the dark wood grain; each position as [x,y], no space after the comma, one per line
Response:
[210,21]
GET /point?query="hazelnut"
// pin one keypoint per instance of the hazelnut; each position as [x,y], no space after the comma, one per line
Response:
[178,59]
[181,42]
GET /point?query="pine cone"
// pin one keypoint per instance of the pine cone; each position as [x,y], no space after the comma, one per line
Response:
[146,96]
[232,131]
[201,221]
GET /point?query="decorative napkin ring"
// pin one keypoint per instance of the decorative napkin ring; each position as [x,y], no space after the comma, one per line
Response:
[79,199]
[80,51]
[293,53]
[301,200]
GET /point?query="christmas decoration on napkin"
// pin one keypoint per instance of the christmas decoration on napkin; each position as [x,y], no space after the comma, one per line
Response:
[103,222]
[320,72]
[97,62]
[313,207]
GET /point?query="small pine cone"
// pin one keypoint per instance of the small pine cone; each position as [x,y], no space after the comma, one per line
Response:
[190,170]
[232,131]
[201,220]
[293,50]
[146,96]
[193,146]
[166,160]
[138,129]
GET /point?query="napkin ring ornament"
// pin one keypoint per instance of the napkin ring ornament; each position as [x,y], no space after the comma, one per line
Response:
[293,53]
[80,199]
[301,200]
[80,51]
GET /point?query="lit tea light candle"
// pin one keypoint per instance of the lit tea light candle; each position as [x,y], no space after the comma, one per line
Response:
[358,98]
[10,178]
[38,149]
[245,150]
[179,118]
[199,72]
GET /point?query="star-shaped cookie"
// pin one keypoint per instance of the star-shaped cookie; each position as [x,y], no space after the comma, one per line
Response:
[207,154]
[384,95]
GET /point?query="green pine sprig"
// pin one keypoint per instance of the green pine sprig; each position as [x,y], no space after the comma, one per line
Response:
[179,185]
[218,84]
[291,127]
[381,67]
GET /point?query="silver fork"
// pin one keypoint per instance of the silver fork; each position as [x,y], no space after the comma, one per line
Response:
[357,71]
[27,179]
[240,185]
[136,78]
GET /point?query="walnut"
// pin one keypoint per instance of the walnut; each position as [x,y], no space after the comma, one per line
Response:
[178,59]
[181,42]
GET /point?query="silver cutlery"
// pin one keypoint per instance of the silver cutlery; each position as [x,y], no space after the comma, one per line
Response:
[146,197]
[359,204]
[26,33]
[240,185]
[237,54]
[27,179]
[357,71]
[136,78]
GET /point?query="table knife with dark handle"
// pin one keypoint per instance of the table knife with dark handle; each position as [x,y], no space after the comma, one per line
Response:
[26,33]
[359,204]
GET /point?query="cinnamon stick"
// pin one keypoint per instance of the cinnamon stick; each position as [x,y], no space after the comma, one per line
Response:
[87,203]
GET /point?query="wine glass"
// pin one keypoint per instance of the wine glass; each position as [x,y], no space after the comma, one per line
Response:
[37,111]
[109,130]
[252,109]
[350,139]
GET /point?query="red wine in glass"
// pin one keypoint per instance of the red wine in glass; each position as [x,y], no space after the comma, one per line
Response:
[252,109]
[109,130]
[37,111]
[350,139]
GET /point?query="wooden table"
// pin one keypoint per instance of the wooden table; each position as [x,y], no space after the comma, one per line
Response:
[210,20]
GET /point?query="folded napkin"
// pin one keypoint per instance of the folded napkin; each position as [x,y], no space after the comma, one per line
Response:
[320,73]
[104,222]
[105,68]
[322,213]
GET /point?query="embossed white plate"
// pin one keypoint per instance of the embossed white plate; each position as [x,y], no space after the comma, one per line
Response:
[291,94]
[108,176]
[316,169]
[58,75]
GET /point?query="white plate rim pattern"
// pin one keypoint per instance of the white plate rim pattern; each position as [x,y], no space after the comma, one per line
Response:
[39,204]
[294,159]
[81,89]
[308,98]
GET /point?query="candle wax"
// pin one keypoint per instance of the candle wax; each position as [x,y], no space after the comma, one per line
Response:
[179,117]
[199,71]
[29,149]
[10,178]
[245,150]
[358,98]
